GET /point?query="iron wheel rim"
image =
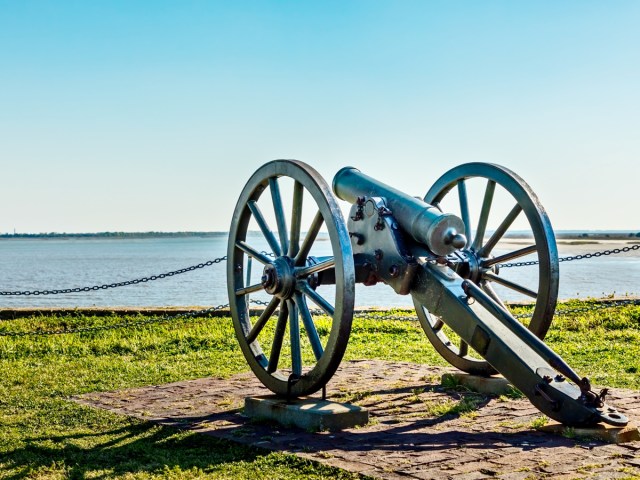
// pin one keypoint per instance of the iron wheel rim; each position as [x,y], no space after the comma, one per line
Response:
[307,179]
[544,241]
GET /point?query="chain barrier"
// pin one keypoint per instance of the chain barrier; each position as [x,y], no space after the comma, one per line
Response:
[364,315]
[135,323]
[561,311]
[389,316]
[598,306]
[160,276]
[115,285]
[603,253]
[121,284]
[180,316]
[590,308]
[115,326]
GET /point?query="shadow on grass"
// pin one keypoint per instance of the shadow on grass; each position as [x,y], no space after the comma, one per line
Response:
[133,449]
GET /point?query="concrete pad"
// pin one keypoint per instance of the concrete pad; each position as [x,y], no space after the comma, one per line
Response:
[497,385]
[606,433]
[307,413]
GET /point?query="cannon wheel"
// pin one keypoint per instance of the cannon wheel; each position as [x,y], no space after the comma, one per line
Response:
[288,274]
[481,267]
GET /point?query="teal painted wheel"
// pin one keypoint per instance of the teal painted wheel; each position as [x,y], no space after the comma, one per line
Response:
[494,202]
[299,354]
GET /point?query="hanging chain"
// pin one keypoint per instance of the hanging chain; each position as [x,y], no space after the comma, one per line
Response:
[382,316]
[559,312]
[160,276]
[585,256]
[204,312]
[362,315]
[589,308]
[118,284]
[135,323]
[598,306]
[115,326]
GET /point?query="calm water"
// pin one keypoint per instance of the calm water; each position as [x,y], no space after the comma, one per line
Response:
[55,264]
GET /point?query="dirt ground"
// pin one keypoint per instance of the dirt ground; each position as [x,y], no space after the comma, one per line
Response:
[414,431]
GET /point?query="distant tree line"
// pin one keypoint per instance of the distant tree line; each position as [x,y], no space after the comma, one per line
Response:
[113,235]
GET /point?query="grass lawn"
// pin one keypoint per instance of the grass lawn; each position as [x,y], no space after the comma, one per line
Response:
[45,436]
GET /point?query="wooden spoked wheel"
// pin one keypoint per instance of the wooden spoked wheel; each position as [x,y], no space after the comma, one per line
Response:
[290,351]
[504,224]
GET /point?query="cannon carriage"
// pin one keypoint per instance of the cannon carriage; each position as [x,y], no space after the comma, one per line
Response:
[450,263]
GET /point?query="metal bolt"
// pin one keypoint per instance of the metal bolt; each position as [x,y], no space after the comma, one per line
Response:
[394,270]
[267,278]
[358,236]
[378,254]
[238,267]
[547,379]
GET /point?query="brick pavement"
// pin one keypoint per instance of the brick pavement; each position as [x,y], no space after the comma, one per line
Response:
[418,429]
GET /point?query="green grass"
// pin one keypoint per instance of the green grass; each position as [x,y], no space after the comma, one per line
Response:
[43,435]
[603,345]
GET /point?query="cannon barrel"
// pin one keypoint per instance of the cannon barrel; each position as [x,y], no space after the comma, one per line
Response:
[440,232]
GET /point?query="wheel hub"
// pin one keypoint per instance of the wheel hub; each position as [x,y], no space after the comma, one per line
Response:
[470,266]
[278,278]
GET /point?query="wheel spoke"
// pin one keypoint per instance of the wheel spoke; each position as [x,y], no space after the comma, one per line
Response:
[309,326]
[278,336]
[263,319]
[484,214]
[302,272]
[296,219]
[510,256]
[249,250]
[317,299]
[264,227]
[486,286]
[464,349]
[250,289]
[281,220]
[294,333]
[500,231]
[248,277]
[437,326]
[307,243]
[509,284]
[464,209]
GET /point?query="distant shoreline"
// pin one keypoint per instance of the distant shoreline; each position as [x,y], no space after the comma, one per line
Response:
[580,237]
[115,235]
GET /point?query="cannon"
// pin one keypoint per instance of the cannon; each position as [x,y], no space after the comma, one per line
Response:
[447,250]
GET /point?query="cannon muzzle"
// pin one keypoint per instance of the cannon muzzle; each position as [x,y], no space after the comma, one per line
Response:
[440,232]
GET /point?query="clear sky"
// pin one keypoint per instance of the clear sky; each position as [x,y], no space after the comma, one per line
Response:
[151,115]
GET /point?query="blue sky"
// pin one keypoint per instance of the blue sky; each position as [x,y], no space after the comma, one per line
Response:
[140,116]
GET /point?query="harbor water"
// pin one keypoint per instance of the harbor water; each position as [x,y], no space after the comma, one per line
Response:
[60,263]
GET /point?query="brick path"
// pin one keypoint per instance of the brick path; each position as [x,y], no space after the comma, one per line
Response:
[410,435]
